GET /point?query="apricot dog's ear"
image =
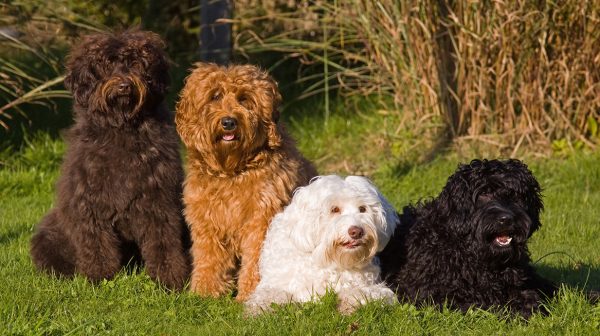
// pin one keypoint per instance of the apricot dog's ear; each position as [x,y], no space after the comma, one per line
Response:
[193,97]
[271,100]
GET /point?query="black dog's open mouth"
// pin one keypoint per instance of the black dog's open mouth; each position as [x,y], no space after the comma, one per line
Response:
[503,240]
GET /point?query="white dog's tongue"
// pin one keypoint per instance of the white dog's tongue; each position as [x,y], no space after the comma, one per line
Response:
[228,137]
[503,240]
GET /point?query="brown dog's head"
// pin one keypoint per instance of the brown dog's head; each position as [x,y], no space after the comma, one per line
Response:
[229,115]
[115,76]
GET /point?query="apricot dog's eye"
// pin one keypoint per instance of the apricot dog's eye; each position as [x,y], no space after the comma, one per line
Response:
[216,96]
[244,100]
[362,209]
[335,209]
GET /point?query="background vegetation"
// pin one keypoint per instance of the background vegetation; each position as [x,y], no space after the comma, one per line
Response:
[484,77]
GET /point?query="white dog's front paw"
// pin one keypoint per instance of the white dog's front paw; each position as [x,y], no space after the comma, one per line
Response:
[387,296]
[350,300]
[261,301]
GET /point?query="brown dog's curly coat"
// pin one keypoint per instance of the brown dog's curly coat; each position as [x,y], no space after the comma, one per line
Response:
[242,170]
[119,194]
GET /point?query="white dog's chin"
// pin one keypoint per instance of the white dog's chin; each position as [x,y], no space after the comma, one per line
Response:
[352,253]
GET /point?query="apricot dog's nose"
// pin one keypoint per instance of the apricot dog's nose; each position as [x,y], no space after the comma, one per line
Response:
[355,232]
[228,123]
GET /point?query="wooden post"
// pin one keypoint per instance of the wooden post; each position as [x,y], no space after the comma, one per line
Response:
[215,37]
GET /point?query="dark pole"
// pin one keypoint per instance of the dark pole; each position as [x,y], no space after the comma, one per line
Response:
[215,37]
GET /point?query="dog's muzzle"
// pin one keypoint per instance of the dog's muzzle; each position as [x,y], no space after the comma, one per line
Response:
[503,226]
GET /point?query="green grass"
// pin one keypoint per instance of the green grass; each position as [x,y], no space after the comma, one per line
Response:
[354,142]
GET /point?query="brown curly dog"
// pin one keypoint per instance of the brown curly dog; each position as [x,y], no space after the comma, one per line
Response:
[119,193]
[242,170]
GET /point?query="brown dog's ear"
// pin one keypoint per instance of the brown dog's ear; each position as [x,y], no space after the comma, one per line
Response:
[80,77]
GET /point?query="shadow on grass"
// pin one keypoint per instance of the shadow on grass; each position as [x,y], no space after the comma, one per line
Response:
[13,235]
[581,276]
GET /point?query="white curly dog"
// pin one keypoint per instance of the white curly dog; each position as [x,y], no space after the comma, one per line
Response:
[326,239]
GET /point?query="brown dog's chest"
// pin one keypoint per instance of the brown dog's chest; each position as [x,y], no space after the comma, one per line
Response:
[112,187]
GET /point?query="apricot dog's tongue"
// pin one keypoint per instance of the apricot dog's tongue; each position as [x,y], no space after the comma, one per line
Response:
[228,137]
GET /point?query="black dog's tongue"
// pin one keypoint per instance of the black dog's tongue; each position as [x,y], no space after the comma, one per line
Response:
[503,240]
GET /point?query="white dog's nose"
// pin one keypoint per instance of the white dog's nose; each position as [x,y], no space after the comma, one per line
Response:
[355,232]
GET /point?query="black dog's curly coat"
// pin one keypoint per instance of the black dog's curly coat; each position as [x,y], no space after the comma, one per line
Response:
[119,194]
[468,246]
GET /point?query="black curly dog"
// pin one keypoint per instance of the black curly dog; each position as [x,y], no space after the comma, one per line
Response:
[468,246]
[119,194]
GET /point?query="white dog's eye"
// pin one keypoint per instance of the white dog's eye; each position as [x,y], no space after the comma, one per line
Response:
[362,209]
[335,209]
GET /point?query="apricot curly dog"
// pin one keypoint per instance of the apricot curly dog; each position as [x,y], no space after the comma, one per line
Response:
[119,193]
[242,170]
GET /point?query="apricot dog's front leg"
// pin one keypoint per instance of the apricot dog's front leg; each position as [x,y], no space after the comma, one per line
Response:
[251,245]
[213,264]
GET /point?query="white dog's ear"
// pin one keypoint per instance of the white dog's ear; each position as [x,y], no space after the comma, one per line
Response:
[303,215]
[385,214]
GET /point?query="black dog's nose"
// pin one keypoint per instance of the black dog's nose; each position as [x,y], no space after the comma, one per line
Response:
[355,232]
[124,88]
[228,123]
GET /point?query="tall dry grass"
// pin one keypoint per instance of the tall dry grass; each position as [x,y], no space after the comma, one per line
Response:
[34,36]
[506,75]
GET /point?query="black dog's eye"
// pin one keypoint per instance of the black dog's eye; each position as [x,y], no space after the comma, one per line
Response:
[216,96]
[362,209]
[335,209]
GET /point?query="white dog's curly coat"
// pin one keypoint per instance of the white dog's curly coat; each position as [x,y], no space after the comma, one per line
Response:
[326,238]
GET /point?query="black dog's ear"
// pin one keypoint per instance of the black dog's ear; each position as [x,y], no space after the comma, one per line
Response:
[455,202]
[529,188]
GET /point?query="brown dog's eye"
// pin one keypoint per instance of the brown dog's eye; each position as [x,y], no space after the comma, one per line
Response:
[335,209]
[362,209]
[216,96]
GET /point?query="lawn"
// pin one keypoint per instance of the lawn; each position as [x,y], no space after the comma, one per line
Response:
[364,141]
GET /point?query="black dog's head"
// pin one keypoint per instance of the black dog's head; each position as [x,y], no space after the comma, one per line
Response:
[494,204]
[114,77]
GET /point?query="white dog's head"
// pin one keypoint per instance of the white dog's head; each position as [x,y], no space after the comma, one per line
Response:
[340,221]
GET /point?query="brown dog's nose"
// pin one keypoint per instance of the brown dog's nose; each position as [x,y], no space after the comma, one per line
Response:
[124,88]
[228,123]
[355,232]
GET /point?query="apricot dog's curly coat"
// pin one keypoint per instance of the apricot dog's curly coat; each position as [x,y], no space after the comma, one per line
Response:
[242,170]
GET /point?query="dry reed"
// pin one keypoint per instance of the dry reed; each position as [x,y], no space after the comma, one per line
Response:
[507,75]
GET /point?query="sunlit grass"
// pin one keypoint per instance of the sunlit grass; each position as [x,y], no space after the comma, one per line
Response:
[131,304]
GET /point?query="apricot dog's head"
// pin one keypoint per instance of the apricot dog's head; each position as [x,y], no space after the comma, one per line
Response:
[229,115]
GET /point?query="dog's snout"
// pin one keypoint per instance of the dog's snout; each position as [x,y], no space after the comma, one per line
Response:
[228,123]
[124,88]
[355,232]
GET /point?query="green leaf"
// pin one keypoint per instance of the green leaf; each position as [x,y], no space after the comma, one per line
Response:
[592,126]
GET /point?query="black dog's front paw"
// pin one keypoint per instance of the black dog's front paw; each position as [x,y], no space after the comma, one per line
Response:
[529,302]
